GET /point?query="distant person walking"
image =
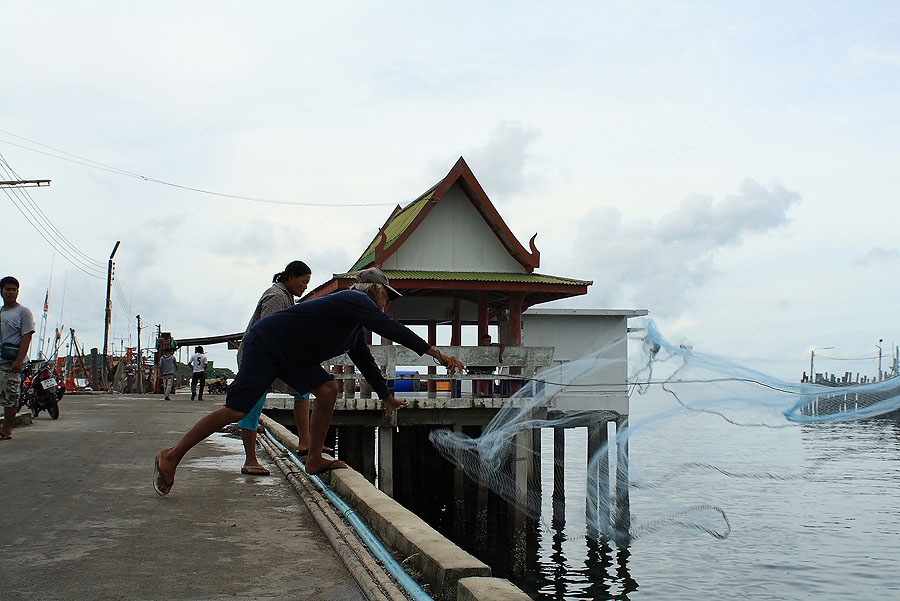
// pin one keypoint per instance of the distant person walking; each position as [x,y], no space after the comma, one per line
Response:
[167,372]
[291,345]
[198,365]
[280,296]
[16,330]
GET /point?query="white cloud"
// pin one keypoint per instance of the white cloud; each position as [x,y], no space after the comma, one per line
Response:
[502,163]
[878,255]
[659,264]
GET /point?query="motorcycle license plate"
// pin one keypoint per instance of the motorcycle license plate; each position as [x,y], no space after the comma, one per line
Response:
[48,384]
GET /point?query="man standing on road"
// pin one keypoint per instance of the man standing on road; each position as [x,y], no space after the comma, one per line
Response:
[16,329]
[291,345]
[198,364]
[167,371]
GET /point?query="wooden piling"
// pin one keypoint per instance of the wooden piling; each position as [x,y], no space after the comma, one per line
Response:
[367,450]
[559,476]
[623,499]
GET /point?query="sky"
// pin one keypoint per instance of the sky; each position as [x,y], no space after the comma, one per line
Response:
[730,167]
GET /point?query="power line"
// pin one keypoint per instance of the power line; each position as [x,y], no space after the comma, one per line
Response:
[98,165]
[847,358]
[29,201]
[45,228]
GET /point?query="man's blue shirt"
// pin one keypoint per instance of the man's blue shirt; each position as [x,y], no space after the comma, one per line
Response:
[316,330]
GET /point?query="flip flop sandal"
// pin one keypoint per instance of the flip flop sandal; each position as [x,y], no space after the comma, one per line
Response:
[304,455]
[330,467]
[157,476]
[255,470]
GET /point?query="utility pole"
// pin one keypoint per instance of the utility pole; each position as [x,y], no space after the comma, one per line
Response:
[880,340]
[812,356]
[108,318]
[140,367]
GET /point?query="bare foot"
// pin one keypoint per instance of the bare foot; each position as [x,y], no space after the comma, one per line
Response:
[165,474]
[305,451]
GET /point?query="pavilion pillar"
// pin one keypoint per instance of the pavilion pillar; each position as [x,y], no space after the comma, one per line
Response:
[482,387]
[482,315]
[432,370]
[456,327]
[516,300]
[456,340]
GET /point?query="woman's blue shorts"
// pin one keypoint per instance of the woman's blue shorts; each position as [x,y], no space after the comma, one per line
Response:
[251,420]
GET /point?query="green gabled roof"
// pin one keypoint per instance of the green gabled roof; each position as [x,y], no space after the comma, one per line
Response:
[480,276]
[395,228]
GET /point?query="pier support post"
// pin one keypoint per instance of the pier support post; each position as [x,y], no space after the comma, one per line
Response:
[605,493]
[367,451]
[592,484]
[559,476]
[481,504]
[597,497]
[623,499]
[459,493]
[534,476]
[386,460]
[521,458]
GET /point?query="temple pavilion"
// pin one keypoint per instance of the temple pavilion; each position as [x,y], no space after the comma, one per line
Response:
[454,259]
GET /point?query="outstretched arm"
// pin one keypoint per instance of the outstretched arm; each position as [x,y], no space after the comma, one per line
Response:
[452,364]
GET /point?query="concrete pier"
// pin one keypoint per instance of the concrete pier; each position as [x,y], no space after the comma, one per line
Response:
[81,520]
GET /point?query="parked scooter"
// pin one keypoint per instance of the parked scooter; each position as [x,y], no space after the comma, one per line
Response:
[218,386]
[41,391]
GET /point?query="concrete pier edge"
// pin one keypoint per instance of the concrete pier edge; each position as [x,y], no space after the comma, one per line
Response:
[375,583]
[442,563]
[478,588]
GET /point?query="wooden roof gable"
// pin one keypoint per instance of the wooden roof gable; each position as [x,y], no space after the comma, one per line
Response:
[404,221]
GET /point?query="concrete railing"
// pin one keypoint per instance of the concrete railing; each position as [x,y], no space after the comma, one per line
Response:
[525,359]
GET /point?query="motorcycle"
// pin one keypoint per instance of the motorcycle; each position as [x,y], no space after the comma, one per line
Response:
[41,391]
[218,386]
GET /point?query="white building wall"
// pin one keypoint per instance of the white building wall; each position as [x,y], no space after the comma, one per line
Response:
[576,334]
[454,237]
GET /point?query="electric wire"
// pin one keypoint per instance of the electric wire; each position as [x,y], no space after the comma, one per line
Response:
[30,201]
[872,358]
[73,261]
[45,228]
[97,165]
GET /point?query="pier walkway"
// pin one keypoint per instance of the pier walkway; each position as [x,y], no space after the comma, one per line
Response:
[80,519]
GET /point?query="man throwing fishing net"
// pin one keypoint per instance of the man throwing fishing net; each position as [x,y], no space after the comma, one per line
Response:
[291,345]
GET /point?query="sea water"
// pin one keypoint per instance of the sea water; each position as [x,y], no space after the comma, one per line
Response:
[813,511]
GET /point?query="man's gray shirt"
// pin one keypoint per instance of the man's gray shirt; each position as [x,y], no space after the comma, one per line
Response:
[15,323]
[167,365]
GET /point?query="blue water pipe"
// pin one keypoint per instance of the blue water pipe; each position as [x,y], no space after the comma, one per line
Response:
[393,567]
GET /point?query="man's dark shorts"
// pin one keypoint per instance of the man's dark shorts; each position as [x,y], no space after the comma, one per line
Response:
[260,367]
